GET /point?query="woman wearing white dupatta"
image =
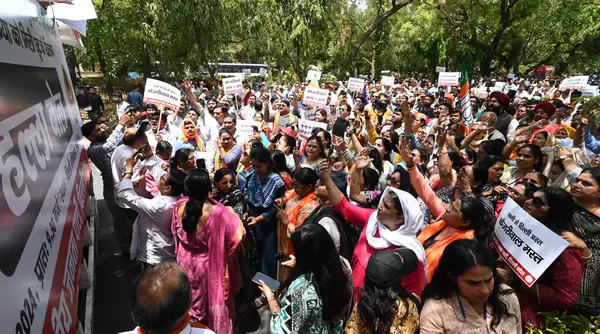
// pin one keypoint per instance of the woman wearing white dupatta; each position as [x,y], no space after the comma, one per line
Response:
[393,225]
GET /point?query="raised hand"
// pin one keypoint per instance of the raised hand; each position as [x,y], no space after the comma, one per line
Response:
[362,160]
[404,151]
[325,170]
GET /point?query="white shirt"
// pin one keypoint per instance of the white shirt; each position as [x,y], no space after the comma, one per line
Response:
[164,133]
[117,164]
[247,113]
[152,239]
[174,121]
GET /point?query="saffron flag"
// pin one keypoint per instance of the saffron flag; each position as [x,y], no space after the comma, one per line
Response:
[465,97]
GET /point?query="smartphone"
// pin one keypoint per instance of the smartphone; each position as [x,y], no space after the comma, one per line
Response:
[142,129]
[282,257]
[339,127]
[271,283]
[299,144]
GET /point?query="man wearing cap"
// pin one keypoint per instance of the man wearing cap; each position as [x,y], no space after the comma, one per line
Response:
[385,271]
[505,123]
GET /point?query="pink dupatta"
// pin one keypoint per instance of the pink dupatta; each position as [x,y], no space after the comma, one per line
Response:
[208,257]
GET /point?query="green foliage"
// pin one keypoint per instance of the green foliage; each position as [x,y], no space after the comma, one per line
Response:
[561,323]
[169,38]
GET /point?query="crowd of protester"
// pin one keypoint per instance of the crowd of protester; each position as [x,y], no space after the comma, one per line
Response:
[384,227]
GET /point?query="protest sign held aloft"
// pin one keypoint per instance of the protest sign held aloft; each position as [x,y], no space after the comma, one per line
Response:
[387,81]
[577,82]
[315,96]
[356,84]
[233,85]
[159,92]
[448,78]
[524,243]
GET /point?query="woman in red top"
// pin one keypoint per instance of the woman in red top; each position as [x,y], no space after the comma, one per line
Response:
[393,225]
[558,288]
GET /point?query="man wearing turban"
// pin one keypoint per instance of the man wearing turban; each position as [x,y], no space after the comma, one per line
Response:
[499,102]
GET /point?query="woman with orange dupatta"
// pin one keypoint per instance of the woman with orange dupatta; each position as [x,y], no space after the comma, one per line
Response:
[299,203]
[464,218]
[206,235]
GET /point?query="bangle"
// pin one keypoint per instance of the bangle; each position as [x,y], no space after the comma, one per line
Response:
[127,172]
[587,257]
[411,167]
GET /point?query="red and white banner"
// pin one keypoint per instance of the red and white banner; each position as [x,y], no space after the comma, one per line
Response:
[448,78]
[524,243]
[44,181]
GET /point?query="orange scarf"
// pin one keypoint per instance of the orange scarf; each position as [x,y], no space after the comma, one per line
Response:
[434,252]
[185,137]
[293,216]
[218,162]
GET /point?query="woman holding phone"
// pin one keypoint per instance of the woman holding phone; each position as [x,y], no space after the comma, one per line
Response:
[316,296]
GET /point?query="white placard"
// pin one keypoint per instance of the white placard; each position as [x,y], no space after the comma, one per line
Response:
[315,96]
[305,127]
[387,81]
[244,130]
[233,85]
[159,92]
[45,175]
[524,243]
[590,91]
[577,82]
[498,87]
[511,76]
[316,75]
[309,114]
[246,71]
[263,71]
[440,69]
[356,84]
[448,78]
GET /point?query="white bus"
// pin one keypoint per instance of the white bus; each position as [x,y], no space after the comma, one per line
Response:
[233,69]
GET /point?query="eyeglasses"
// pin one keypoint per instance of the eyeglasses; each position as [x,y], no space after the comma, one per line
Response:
[390,179]
[455,209]
[513,192]
[538,202]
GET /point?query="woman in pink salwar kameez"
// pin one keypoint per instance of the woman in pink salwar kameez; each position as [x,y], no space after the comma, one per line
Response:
[206,235]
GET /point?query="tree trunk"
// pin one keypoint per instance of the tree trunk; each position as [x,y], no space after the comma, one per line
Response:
[100,55]
[71,63]
[147,65]
[375,25]
[505,22]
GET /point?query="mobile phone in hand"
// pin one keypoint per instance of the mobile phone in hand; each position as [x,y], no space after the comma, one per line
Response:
[270,282]
[282,257]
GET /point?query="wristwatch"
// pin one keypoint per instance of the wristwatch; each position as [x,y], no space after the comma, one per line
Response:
[127,172]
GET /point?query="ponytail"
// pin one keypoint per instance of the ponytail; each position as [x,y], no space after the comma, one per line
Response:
[193,212]
[196,186]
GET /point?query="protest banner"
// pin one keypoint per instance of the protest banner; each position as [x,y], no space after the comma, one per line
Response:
[577,82]
[387,81]
[309,114]
[159,92]
[440,69]
[246,71]
[498,86]
[233,85]
[305,127]
[448,78]
[524,243]
[356,84]
[511,76]
[590,91]
[244,130]
[45,175]
[313,75]
[315,96]
[263,71]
